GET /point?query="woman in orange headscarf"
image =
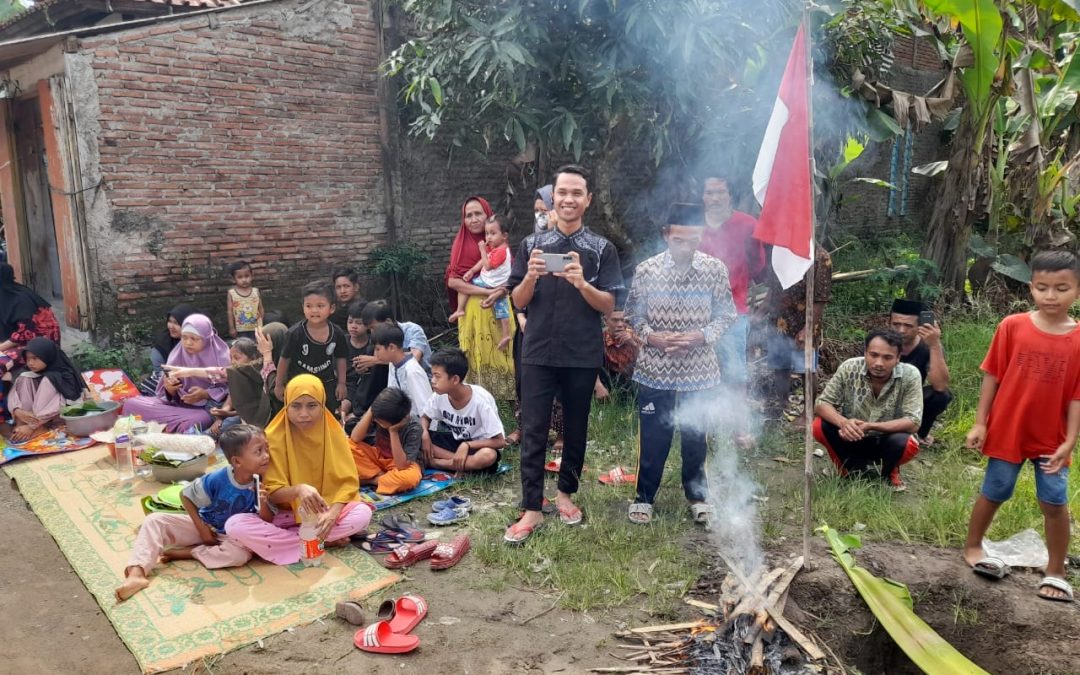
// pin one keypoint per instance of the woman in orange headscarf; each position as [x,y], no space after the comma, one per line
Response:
[311,472]
[479,332]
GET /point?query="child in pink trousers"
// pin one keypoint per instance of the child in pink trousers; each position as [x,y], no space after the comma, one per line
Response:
[209,501]
[311,472]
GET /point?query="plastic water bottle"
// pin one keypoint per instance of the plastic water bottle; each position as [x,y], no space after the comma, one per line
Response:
[311,549]
[142,469]
[124,468]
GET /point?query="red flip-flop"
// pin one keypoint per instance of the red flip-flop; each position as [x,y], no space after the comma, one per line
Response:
[409,610]
[379,638]
[409,554]
[617,476]
[554,465]
[448,555]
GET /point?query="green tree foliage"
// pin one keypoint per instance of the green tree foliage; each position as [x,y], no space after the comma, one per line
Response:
[9,8]
[585,78]
[1015,128]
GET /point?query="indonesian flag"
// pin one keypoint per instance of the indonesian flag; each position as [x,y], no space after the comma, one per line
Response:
[782,182]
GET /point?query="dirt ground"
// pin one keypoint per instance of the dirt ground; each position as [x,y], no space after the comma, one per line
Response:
[1001,626]
[53,625]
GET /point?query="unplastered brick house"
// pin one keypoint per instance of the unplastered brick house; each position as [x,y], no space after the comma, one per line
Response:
[146,144]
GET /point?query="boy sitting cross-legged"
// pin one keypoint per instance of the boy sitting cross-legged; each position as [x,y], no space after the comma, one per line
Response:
[1029,409]
[391,463]
[468,432]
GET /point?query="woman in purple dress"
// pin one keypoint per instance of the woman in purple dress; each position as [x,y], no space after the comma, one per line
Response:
[183,404]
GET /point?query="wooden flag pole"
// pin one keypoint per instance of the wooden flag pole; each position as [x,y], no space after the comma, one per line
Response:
[808,331]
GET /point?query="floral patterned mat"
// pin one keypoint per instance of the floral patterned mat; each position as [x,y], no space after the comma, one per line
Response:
[188,612]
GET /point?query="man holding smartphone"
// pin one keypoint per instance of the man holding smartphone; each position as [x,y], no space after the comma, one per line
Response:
[922,348]
[563,349]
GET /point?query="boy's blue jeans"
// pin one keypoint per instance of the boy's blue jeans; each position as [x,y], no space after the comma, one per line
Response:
[1000,481]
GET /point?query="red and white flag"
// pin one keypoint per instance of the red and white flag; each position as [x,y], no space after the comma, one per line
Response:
[782,181]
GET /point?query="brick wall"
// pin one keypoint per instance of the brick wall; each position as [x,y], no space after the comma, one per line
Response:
[916,69]
[251,134]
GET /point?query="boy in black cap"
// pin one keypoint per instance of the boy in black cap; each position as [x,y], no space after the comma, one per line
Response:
[680,304]
[922,349]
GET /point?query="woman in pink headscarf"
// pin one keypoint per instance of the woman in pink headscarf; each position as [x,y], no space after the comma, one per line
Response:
[183,404]
[479,332]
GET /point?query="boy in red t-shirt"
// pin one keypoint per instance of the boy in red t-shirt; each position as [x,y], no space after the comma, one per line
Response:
[1029,409]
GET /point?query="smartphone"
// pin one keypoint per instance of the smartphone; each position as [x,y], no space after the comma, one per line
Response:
[556,262]
[926,317]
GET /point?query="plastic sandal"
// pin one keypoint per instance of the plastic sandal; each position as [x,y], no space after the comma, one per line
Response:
[378,638]
[1056,583]
[404,528]
[991,568]
[448,516]
[454,502]
[448,555]
[409,554]
[380,547]
[571,516]
[517,533]
[618,476]
[409,610]
[701,513]
[388,537]
[643,512]
[350,611]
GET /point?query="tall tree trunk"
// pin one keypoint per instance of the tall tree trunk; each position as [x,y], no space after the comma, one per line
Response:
[955,208]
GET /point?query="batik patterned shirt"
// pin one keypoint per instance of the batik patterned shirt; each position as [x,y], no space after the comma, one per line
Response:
[665,298]
[851,393]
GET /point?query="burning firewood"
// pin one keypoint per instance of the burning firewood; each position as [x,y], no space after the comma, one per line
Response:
[743,633]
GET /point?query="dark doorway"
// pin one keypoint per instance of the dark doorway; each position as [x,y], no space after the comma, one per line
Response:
[42,270]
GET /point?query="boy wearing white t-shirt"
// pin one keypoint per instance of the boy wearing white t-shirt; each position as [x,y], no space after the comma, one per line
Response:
[491,271]
[467,434]
[405,372]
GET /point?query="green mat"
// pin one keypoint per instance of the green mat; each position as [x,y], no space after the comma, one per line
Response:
[189,612]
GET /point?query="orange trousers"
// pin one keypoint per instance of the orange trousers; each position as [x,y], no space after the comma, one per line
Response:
[392,480]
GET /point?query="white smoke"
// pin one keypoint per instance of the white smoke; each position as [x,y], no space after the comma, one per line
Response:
[736,529]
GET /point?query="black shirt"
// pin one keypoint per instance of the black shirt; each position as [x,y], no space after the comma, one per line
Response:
[564,330]
[920,358]
[340,317]
[307,355]
[363,388]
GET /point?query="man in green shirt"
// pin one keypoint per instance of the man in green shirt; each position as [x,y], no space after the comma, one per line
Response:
[871,409]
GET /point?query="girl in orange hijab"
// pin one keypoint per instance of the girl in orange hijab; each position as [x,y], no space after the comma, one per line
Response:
[311,471]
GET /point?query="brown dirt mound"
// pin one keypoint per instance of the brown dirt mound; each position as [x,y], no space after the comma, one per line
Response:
[1001,626]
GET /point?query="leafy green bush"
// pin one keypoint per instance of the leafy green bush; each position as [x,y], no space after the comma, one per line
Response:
[132,361]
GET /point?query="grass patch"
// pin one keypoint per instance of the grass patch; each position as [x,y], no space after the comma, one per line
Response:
[609,562]
[943,481]
[606,562]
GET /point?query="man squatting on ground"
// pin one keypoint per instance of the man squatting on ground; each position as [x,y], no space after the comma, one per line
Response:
[871,409]
[563,349]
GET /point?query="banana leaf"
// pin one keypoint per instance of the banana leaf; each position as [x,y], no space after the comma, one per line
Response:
[891,603]
[80,409]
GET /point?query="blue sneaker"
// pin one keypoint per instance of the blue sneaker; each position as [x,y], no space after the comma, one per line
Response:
[452,503]
[448,516]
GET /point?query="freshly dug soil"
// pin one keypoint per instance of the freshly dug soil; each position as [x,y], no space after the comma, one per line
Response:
[1001,626]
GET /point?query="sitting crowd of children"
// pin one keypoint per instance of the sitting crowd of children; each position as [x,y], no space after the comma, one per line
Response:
[387,408]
